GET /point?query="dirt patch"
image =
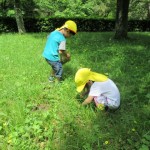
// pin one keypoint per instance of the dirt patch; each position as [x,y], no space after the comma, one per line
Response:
[41,107]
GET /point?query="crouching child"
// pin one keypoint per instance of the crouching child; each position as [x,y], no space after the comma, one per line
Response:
[102,90]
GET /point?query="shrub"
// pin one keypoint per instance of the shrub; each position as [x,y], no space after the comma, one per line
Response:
[8,24]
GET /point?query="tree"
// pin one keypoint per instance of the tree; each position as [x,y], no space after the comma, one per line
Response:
[121,19]
[139,9]
[103,9]
[19,17]
[148,10]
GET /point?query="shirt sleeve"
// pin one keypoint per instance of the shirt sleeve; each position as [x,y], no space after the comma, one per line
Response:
[62,45]
[94,90]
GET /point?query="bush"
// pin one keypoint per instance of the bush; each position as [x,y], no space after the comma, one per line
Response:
[84,24]
[8,24]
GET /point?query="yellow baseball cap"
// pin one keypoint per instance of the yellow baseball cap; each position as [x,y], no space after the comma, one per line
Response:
[83,75]
[71,25]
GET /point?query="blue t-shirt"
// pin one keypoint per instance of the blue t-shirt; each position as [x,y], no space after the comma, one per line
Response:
[51,50]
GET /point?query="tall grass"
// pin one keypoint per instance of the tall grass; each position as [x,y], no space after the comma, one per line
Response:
[35,114]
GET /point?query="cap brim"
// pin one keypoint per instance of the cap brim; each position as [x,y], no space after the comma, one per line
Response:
[80,88]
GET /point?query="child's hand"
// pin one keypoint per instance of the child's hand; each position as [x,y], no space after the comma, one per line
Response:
[65,58]
[68,55]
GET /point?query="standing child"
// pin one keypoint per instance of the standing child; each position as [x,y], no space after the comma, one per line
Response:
[56,47]
[102,90]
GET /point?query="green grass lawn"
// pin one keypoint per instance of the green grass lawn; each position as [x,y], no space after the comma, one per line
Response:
[37,115]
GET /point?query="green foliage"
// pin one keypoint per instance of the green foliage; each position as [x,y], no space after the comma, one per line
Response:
[105,9]
[139,9]
[11,13]
[48,24]
[35,114]
[8,25]
[145,142]
[75,8]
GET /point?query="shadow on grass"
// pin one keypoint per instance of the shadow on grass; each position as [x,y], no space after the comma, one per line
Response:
[67,70]
[128,65]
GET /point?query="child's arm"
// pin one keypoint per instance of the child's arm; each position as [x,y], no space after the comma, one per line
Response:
[88,100]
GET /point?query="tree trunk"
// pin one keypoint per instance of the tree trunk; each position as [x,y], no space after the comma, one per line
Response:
[148,8]
[19,17]
[121,28]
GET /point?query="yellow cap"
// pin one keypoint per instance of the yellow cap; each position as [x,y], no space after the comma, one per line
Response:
[83,75]
[71,25]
